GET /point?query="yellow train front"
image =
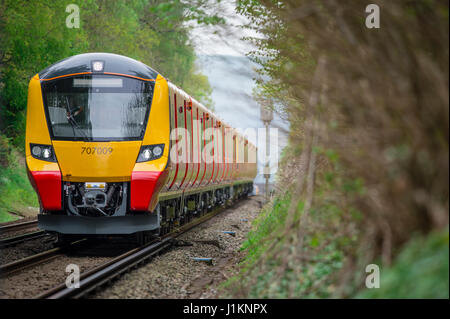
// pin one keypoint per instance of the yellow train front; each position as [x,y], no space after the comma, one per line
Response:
[98,149]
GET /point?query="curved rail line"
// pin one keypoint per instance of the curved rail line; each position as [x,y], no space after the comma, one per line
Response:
[108,271]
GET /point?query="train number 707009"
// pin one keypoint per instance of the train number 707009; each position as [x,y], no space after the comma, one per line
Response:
[96,150]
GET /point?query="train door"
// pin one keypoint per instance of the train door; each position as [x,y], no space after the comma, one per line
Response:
[223,161]
[245,158]
[196,145]
[229,146]
[173,125]
[191,167]
[187,142]
[203,166]
[234,165]
[216,152]
[180,139]
[212,160]
[219,153]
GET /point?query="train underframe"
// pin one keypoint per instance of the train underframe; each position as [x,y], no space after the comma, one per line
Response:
[96,212]
[180,210]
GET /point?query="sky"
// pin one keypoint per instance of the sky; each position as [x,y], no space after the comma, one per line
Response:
[217,40]
[222,57]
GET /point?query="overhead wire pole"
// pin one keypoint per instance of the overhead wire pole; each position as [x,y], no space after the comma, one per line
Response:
[267,117]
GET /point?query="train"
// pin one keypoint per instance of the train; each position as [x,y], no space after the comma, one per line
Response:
[115,148]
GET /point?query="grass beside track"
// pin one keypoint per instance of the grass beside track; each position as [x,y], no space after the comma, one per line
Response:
[16,193]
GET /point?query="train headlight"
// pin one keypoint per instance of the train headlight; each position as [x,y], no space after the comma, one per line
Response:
[46,153]
[43,152]
[36,150]
[150,152]
[147,154]
[97,66]
[157,151]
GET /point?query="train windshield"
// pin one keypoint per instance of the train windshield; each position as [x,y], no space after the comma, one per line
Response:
[97,107]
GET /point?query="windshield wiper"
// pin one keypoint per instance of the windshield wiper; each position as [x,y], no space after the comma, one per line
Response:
[73,122]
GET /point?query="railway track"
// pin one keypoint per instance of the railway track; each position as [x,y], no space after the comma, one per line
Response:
[98,276]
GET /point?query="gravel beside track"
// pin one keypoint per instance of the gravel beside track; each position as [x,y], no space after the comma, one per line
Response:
[175,274]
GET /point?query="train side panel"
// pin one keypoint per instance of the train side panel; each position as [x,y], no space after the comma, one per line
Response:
[229,153]
[148,178]
[44,176]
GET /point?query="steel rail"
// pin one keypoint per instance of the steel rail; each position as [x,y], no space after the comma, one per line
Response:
[18,226]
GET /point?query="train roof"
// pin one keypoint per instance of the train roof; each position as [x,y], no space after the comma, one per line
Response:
[112,63]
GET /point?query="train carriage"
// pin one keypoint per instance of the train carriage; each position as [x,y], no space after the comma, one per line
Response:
[112,147]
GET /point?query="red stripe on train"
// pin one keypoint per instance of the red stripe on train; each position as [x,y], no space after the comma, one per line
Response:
[144,189]
[48,186]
